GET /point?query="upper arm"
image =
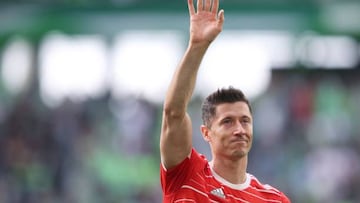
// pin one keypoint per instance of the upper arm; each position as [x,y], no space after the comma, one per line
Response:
[175,139]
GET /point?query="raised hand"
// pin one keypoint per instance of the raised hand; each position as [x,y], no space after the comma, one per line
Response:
[206,21]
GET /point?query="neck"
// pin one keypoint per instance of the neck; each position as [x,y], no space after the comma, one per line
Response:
[230,170]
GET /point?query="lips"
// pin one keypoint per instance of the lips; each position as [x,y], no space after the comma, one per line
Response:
[240,141]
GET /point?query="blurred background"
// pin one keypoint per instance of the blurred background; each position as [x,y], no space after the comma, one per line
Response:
[82,84]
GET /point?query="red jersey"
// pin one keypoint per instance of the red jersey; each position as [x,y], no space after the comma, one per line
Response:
[193,180]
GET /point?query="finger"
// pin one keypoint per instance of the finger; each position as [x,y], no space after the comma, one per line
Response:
[221,17]
[207,5]
[215,6]
[199,5]
[191,7]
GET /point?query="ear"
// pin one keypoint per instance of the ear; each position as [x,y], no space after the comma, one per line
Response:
[205,133]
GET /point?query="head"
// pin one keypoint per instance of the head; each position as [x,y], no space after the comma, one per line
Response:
[221,96]
[227,122]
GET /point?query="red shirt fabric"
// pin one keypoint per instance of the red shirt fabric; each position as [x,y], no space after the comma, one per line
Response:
[194,181]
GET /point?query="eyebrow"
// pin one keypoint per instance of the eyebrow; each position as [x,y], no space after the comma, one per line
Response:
[231,116]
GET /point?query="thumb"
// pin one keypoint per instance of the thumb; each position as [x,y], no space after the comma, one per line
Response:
[221,17]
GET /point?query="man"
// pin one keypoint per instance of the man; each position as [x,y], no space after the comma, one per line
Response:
[186,176]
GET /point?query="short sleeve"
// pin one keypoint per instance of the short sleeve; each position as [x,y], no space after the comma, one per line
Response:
[172,179]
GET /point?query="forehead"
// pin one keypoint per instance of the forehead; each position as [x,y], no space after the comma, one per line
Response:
[233,109]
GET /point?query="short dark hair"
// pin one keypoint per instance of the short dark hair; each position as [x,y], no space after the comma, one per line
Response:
[223,95]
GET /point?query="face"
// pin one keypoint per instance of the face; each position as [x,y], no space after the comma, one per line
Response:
[231,130]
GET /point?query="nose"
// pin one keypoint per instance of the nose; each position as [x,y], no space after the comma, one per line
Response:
[239,129]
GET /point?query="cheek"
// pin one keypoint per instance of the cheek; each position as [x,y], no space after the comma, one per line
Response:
[224,139]
[222,136]
[249,130]
[218,139]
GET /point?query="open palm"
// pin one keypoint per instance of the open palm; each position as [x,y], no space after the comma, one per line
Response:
[205,23]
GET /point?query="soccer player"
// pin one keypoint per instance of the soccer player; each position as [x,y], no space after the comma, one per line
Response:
[187,176]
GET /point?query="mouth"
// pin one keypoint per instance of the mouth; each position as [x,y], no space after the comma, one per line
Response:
[240,141]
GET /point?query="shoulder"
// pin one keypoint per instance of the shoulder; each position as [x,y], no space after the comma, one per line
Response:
[191,167]
[267,190]
[197,159]
[193,163]
[255,183]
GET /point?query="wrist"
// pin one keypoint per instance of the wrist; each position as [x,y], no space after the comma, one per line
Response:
[199,46]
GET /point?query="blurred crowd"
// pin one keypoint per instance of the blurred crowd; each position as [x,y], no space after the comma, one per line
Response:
[306,143]
[308,135]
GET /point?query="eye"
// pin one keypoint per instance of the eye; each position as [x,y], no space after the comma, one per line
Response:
[227,121]
[245,121]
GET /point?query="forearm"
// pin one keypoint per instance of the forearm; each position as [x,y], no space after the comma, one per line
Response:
[183,82]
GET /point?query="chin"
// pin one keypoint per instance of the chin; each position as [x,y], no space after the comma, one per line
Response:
[239,153]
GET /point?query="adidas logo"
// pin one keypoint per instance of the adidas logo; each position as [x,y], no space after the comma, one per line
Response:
[218,192]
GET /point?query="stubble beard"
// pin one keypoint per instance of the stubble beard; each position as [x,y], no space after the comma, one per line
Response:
[238,154]
[241,153]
